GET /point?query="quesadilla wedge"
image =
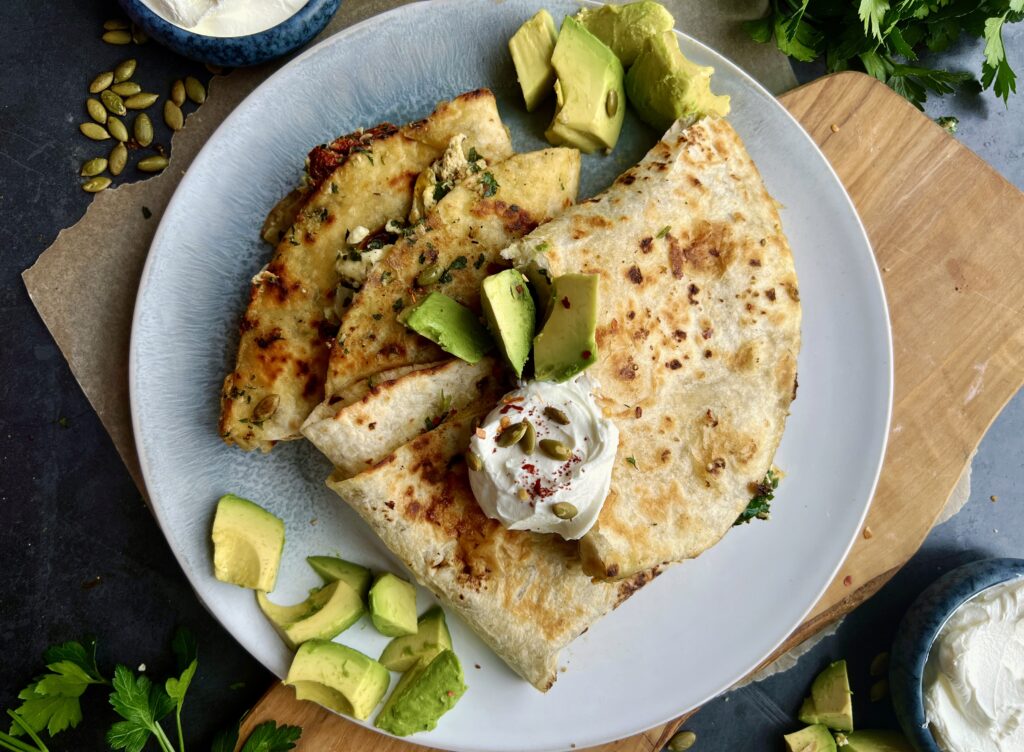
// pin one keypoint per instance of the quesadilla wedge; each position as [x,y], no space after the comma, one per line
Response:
[698,333]
[357,185]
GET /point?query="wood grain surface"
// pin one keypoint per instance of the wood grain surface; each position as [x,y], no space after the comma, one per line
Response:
[948,233]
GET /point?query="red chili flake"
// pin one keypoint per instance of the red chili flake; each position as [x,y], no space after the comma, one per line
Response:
[848,580]
[566,303]
[586,353]
[506,408]
[638,412]
[450,693]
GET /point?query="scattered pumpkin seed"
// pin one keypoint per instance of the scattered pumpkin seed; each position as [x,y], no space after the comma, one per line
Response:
[95,185]
[95,131]
[429,276]
[118,158]
[113,24]
[117,129]
[112,102]
[553,413]
[124,70]
[142,129]
[523,494]
[173,115]
[141,101]
[96,110]
[563,510]
[138,35]
[682,741]
[511,435]
[101,82]
[529,440]
[611,103]
[879,690]
[474,462]
[117,36]
[195,90]
[153,164]
[880,664]
[269,404]
[214,69]
[93,167]
[555,449]
[178,92]
[126,88]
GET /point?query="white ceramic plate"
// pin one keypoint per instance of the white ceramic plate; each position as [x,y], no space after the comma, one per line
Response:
[696,629]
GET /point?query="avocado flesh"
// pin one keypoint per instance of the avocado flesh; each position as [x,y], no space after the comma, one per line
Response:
[510,315]
[567,344]
[815,738]
[331,568]
[830,702]
[425,693]
[393,606]
[531,47]
[431,637]
[625,27]
[450,325]
[876,741]
[338,677]
[663,86]
[247,544]
[589,91]
[324,615]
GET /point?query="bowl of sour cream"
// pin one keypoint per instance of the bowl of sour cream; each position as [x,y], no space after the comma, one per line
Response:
[957,664]
[231,33]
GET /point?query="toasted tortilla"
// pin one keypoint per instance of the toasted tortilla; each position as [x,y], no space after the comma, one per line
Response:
[361,180]
[698,336]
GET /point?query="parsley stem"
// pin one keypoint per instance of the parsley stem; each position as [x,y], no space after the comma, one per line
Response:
[15,745]
[28,730]
[161,737]
[181,736]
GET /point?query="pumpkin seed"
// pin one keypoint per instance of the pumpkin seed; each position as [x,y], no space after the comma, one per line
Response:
[195,90]
[178,92]
[523,494]
[511,435]
[429,276]
[117,129]
[142,129]
[114,24]
[93,167]
[474,462]
[173,115]
[879,690]
[95,185]
[112,102]
[879,664]
[118,158]
[118,36]
[563,510]
[682,741]
[124,70]
[529,440]
[95,131]
[96,110]
[126,88]
[553,413]
[138,35]
[555,449]
[101,82]
[216,70]
[611,103]
[154,164]
[141,101]
[266,406]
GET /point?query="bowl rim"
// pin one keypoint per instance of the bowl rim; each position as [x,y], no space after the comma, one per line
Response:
[139,8]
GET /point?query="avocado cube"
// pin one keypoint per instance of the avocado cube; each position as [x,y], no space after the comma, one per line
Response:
[393,606]
[331,568]
[510,315]
[338,677]
[876,741]
[815,738]
[625,27]
[531,47]
[830,701]
[247,544]
[451,326]
[568,342]
[425,693]
[431,637]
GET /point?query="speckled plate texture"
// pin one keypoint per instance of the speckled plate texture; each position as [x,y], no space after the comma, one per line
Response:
[695,630]
[923,621]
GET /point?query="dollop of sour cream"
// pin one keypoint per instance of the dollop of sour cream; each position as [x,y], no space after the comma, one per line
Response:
[974,677]
[225,18]
[521,490]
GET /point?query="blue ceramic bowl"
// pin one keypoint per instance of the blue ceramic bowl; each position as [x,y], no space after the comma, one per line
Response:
[918,630]
[234,52]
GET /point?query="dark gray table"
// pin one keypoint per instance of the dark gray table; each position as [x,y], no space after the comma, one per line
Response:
[81,553]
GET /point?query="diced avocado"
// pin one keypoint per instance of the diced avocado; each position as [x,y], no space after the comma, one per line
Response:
[664,86]
[393,606]
[589,91]
[510,315]
[332,568]
[431,637]
[815,738]
[567,344]
[876,741]
[625,27]
[338,677]
[531,47]
[830,701]
[451,325]
[424,694]
[247,544]
[327,613]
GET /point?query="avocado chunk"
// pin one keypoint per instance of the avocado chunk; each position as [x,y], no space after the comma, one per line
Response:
[393,606]
[332,568]
[510,315]
[431,637]
[327,613]
[876,741]
[589,91]
[567,344]
[338,677]
[247,543]
[423,694]
[531,47]
[663,86]
[450,325]
[830,701]
[625,27]
[815,738]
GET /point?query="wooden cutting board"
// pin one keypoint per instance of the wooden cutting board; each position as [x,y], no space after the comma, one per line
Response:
[948,233]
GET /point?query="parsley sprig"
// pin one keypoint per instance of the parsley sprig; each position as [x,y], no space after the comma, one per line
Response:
[760,505]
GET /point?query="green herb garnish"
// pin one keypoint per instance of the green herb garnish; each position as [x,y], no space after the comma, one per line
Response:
[489,183]
[760,506]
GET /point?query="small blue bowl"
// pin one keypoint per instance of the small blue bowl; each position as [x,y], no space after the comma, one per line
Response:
[234,52]
[918,630]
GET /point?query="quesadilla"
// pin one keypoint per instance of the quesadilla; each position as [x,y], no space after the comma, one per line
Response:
[359,195]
